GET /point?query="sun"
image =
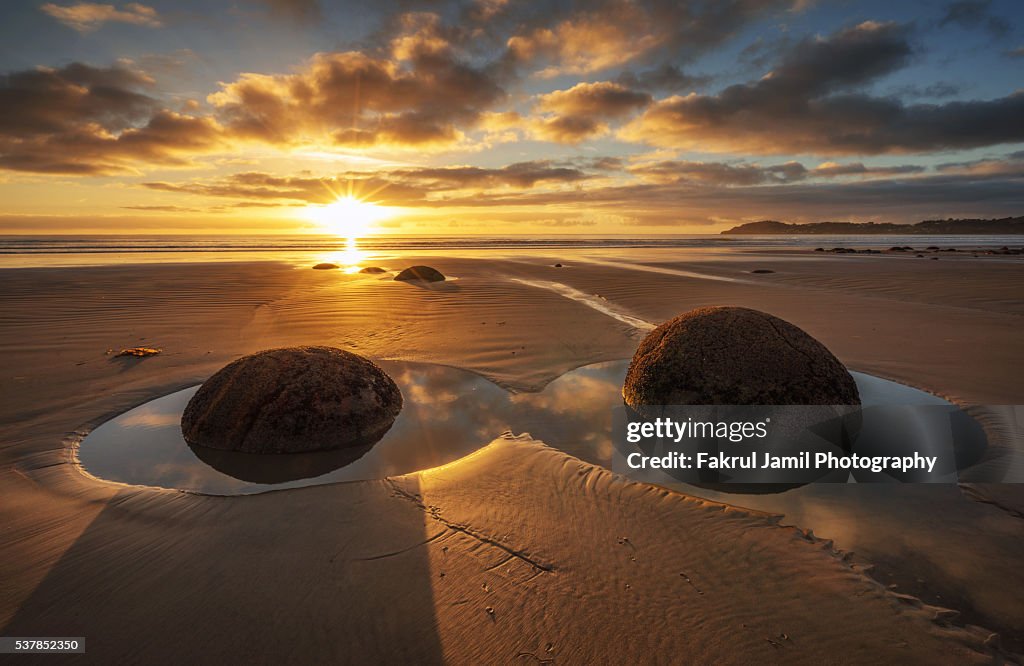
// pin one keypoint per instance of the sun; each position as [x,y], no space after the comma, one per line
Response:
[348,216]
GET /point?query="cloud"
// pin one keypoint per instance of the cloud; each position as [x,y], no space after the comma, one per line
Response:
[1009,165]
[937,90]
[834,169]
[971,14]
[422,186]
[521,175]
[163,209]
[88,16]
[811,104]
[358,100]
[719,173]
[666,77]
[669,193]
[604,100]
[590,42]
[578,113]
[81,119]
[740,173]
[614,33]
[680,202]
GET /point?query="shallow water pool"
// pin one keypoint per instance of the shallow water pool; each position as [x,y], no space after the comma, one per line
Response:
[448,413]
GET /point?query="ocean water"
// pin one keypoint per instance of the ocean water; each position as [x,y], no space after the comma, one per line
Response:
[27,251]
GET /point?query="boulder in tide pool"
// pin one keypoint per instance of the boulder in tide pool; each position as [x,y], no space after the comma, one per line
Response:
[325,267]
[374,270]
[293,400]
[421,273]
[735,356]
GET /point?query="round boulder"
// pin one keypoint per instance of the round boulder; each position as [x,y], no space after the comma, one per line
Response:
[735,356]
[325,267]
[293,400]
[373,270]
[422,273]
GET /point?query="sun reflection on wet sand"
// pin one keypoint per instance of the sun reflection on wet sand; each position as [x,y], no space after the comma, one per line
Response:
[351,258]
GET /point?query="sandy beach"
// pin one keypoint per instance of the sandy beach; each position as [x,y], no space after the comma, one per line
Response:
[518,552]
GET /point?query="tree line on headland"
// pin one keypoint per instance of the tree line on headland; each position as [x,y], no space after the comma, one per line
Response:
[1005,225]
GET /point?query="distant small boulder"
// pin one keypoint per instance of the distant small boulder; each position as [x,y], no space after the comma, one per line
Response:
[761,271]
[558,265]
[373,270]
[420,273]
[325,267]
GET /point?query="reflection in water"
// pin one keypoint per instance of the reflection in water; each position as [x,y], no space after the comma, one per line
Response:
[274,469]
[349,259]
[448,414]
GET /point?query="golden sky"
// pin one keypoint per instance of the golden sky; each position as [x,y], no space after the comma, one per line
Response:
[501,117]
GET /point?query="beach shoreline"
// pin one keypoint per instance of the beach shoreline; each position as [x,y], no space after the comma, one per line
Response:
[503,319]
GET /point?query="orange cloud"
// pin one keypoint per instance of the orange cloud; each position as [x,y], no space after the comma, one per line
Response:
[604,99]
[357,100]
[592,42]
[88,16]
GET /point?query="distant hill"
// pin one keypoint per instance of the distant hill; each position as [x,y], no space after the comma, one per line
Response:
[1005,225]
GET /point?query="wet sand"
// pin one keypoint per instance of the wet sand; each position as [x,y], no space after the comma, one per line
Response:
[574,562]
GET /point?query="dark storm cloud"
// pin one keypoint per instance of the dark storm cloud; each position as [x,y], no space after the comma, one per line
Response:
[81,119]
[810,104]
